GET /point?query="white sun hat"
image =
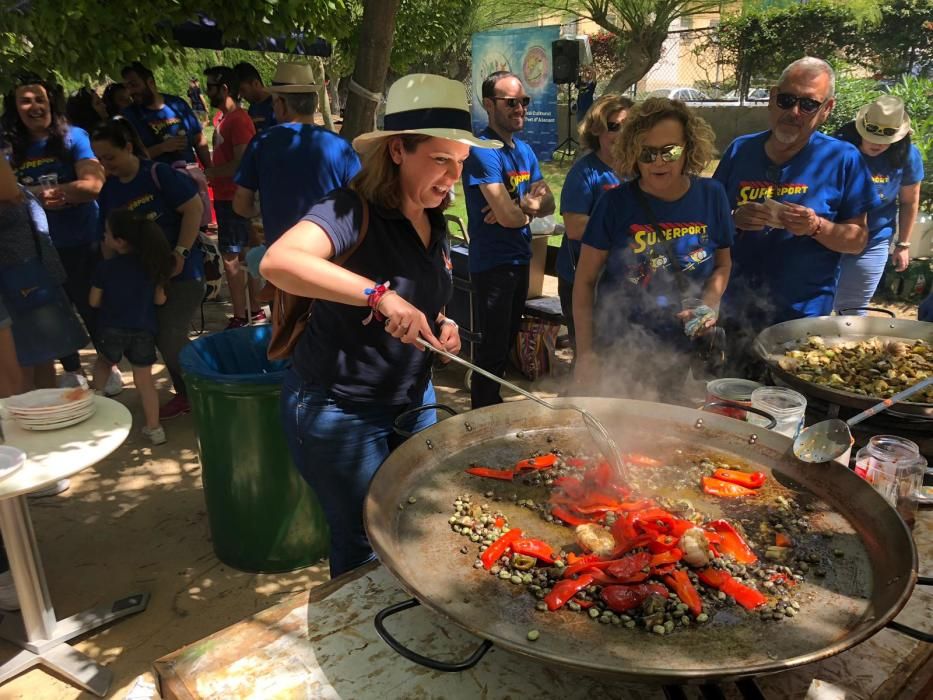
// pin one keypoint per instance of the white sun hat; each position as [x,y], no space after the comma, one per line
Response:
[883,121]
[293,78]
[427,104]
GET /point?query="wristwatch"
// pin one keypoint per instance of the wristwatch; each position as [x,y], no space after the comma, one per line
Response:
[182,251]
[902,244]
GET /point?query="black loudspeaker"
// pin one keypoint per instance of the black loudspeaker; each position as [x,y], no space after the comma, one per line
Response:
[565,61]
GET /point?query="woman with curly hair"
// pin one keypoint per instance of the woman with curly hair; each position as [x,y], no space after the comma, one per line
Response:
[657,250]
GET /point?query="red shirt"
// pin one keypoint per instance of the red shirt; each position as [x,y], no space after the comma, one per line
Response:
[233,129]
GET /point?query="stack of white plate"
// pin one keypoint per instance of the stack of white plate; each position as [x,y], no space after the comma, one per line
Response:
[50,409]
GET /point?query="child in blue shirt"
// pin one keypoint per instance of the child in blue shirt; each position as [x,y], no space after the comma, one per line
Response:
[126,289]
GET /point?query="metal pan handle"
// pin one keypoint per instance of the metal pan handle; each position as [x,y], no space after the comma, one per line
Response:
[414,656]
[868,308]
[910,631]
[397,423]
[731,404]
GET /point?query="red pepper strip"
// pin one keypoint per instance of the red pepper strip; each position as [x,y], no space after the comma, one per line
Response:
[782,539]
[538,549]
[499,547]
[568,517]
[636,505]
[671,557]
[732,542]
[664,543]
[584,604]
[656,521]
[579,564]
[601,476]
[679,582]
[624,598]
[565,590]
[626,546]
[576,462]
[604,579]
[642,460]
[747,597]
[500,521]
[679,527]
[750,480]
[628,566]
[724,489]
[570,486]
[660,571]
[503,474]
[712,537]
[543,462]
[783,579]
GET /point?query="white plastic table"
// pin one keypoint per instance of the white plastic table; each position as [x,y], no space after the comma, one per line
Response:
[50,456]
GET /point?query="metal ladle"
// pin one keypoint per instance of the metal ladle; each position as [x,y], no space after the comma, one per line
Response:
[830,439]
[597,430]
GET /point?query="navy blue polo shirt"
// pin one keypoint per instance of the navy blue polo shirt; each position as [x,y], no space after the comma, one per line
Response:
[262,114]
[128,301]
[364,363]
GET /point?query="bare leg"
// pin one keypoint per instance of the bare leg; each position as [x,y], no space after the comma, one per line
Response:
[145,385]
[236,281]
[11,374]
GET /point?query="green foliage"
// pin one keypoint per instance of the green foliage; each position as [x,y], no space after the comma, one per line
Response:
[900,41]
[85,40]
[851,94]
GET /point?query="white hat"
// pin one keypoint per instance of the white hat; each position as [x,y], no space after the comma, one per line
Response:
[883,121]
[426,104]
[293,77]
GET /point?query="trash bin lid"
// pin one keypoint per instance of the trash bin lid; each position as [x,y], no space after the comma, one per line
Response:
[236,356]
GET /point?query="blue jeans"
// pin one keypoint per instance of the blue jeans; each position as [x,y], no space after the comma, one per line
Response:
[337,447]
[859,276]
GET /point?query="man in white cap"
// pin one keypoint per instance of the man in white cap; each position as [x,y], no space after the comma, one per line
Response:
[504,191]
[800,200]
[294,163]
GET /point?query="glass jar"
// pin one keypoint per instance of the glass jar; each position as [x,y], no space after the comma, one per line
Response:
[728,389]
[785,405]
[895,468]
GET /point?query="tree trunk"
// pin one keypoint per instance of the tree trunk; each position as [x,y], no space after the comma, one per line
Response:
[638,53]
[372,64]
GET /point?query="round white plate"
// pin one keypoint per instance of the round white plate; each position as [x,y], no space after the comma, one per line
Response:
[45,400]
[31,425]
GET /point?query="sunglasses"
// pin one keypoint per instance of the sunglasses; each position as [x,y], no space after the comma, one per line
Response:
[807,104]
[513,102]
[668,153]
[880,130]
[613,126]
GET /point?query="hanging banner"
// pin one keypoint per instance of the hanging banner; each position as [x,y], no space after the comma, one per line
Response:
[527,53]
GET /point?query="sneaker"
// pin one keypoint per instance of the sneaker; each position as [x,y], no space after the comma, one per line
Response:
[8,599]
[156,435]
[53,490]
[235,322]
[177,406]
[114,383]
[72,379]
[260,317]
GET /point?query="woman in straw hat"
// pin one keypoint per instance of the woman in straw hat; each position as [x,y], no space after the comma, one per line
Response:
[881,131]
[375,256]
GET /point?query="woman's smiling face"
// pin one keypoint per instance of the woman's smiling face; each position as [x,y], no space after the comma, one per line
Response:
[660,175]
[32,106]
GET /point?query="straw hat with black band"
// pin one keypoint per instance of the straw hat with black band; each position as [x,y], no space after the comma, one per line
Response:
[427,104]
[883,121]
[293,78]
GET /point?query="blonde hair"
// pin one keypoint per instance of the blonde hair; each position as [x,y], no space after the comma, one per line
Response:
[698,150]
[379,180]
[595,123]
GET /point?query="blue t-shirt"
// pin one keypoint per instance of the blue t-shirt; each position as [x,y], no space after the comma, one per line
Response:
[587,180]
[155,125]
[639,284]
[73,225]
[262,114]
[159,203]
[888,179]
[276,163]
[128,299]
[777,276]
[360,362]
[515,167]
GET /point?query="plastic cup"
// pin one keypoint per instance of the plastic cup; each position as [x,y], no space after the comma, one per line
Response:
[787,406]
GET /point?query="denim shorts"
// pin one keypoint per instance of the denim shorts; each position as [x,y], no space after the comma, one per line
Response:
[138,346]
[233,230]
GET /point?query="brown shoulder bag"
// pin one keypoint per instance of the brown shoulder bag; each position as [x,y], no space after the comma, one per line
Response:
[290,313]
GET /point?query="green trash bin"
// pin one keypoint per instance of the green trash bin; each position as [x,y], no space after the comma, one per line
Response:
[263,516]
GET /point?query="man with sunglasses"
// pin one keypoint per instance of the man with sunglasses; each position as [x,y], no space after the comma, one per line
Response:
[800,200]
[504,191]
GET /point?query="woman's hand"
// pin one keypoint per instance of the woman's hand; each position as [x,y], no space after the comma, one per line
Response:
[900,258]
[752,217]
[405,322]
[449,337]
[49,197]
